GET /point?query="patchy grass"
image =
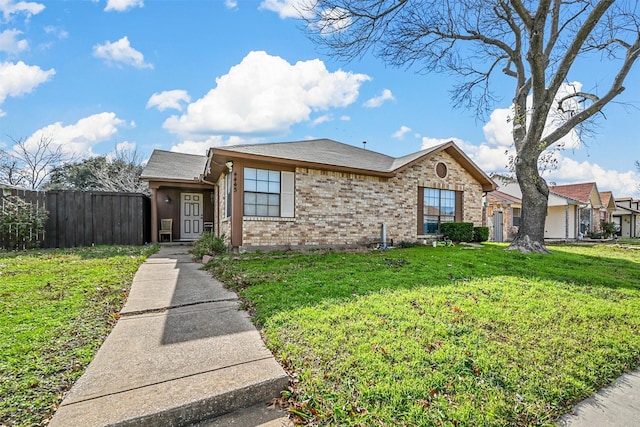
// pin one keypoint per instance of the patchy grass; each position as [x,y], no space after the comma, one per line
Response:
[445,336]
[56,308]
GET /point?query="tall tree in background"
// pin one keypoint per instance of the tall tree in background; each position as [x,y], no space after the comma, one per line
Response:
[534,46]
[29,164]
[118,172]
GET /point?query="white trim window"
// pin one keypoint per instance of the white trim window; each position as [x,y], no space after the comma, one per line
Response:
[268,193]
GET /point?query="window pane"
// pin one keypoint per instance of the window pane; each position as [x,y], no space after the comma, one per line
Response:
[274,176]
[250,198]
[262,210]
[274,210]
[250,173]
[262,186]
[262,199]
[274,187]
[250,185]
[274,200]
[250,210]
[262,175]
[448,202]
[430,224]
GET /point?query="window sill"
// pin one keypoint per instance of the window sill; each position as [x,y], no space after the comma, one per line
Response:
[269,218]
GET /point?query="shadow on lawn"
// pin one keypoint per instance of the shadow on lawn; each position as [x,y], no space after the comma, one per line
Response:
[274,284]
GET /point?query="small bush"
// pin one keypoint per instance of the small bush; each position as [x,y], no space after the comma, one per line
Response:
[209,244]
[457,231]
[480,234]
[608,229]
[21,223]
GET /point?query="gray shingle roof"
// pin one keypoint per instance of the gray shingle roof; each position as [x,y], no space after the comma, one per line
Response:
[173,166]
[328,152]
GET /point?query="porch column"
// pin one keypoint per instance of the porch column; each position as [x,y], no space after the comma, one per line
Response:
[566,222]
[154,216]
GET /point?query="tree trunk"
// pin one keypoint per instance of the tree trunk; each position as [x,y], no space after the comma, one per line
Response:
[535,196]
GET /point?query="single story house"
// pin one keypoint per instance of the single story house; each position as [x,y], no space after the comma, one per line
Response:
[314,193]
[627,217]
[573,210]
[584,199]
[503,215]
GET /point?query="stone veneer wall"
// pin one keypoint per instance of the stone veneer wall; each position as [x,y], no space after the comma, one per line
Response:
[335,208]
[496,204]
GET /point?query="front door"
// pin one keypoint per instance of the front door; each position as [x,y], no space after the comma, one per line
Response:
[191,216]
[497,226]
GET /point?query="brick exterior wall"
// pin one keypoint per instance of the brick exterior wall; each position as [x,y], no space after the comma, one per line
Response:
[335,208]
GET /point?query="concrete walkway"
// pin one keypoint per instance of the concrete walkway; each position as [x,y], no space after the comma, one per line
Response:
[182,352]
[617,405]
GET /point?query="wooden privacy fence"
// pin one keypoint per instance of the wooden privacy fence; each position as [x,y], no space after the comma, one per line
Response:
[79,218]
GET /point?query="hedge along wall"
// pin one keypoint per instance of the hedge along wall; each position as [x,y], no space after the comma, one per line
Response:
[79,218]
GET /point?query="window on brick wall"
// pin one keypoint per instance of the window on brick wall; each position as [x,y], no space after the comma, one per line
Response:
[268,193]
[436,206]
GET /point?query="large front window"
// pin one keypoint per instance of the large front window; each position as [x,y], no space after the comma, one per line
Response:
[439,207]
[261,192]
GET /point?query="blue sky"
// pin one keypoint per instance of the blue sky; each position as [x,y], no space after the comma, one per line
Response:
[188,75]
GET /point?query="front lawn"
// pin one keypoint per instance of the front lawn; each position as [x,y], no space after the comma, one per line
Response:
[445,336]
[56,309]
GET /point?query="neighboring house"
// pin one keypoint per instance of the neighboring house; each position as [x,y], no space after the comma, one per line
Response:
[572,211]
[609,206]
[322,192]
[503,216]
[585,202]
[627,217]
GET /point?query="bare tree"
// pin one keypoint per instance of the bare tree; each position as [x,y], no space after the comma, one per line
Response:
[30,164]
[534,45]
[121,172]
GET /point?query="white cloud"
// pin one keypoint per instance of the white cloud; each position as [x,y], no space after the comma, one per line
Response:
[345,118]
[122,5]
[201,147]
[377,101]
[79,138]
[168,99]
[11,7]
[56,31]
[9,42]
[622,184]
[285,8]
[18,79]
[265,94]
[120,52]
[498,131]
[400,133]
[322,119]
[231,4]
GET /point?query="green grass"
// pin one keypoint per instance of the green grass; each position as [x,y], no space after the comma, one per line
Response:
[445,336]
[56,308]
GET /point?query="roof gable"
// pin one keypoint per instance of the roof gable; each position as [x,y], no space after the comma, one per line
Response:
[169,165]
[584,192]
[333,155]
